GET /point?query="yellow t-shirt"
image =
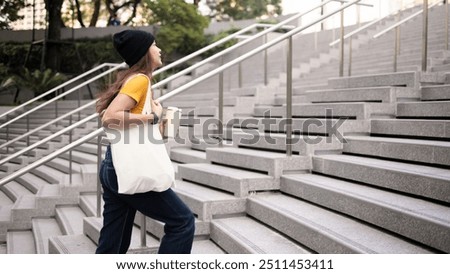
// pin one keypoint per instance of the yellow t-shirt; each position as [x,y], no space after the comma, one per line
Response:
[136,88]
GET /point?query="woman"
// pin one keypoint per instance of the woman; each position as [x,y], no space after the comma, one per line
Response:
[122,103]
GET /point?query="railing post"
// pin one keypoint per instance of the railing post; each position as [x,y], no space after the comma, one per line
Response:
[79,105]
[99,161]
[28,129]
[266,74]
[240,74]
[446,24]
[56,111]
[7,136]
[70,152]
[350,56]
[425,35]
[341,49]
[396,47]
[220,121]
[289,99]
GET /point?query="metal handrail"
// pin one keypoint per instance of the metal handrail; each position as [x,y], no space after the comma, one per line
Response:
[118,66]
[53,155]
[61,95]
[269,26]
[55,89]
[225,51]
[49,138]
[162,98]
[397,25]
[47,124]
[252,52]
[216,71]
[358,30]
[401,22]
[350,37]
[211,46]
[174,64]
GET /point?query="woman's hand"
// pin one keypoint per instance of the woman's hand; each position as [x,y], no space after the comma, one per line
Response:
[162,126]
[157,108]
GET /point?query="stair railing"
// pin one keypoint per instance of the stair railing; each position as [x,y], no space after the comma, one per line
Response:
[53,90]
[350,36]
[46,125]
[397,26]
[218,71]
[240,44]
[123,65]
[178,62]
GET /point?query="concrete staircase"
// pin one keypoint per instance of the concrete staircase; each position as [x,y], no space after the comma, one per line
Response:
[368,174]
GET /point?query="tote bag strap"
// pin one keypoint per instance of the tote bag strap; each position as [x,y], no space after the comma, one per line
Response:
[147,109]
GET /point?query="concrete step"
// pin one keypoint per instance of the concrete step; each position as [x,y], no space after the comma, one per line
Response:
[322,230]
[418,180]
[402,79]
[302,144]
[93,225]
[436,129]
[43,229]
[187,155]
[428,110]
[313,126]
[80,157]
[206,247]
[413,218]
[355,110]
[155,231]
[25,209]
[445,67]
[5,199]
[63,165]
[233,180]
[272,163]
[207,203]
[5,220]
[70,219]
[31,182]
[243,235]
[71,244]
[20,242]
[433,93]
[376,94]
[88,203]
[81,244]
[49,174]
[422,151]
[15,190]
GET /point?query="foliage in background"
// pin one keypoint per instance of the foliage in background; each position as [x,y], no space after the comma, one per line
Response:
[214,38]
[12,55]
[39,81]
[181,26]
[245,9]
[92,52]
[8,12]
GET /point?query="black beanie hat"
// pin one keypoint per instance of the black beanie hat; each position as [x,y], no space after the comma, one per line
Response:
[132,45]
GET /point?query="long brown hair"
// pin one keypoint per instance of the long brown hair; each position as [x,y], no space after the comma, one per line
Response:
[144,66]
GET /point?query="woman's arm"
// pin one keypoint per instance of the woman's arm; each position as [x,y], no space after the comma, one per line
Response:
[118,115]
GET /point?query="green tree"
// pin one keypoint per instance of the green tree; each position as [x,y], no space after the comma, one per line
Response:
[8,12]
[181,26]
[39,81]
[244,9]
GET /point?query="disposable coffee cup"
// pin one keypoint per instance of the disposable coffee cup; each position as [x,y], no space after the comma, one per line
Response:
[172,118]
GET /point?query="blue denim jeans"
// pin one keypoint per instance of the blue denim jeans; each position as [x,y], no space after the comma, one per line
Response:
[120,209]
